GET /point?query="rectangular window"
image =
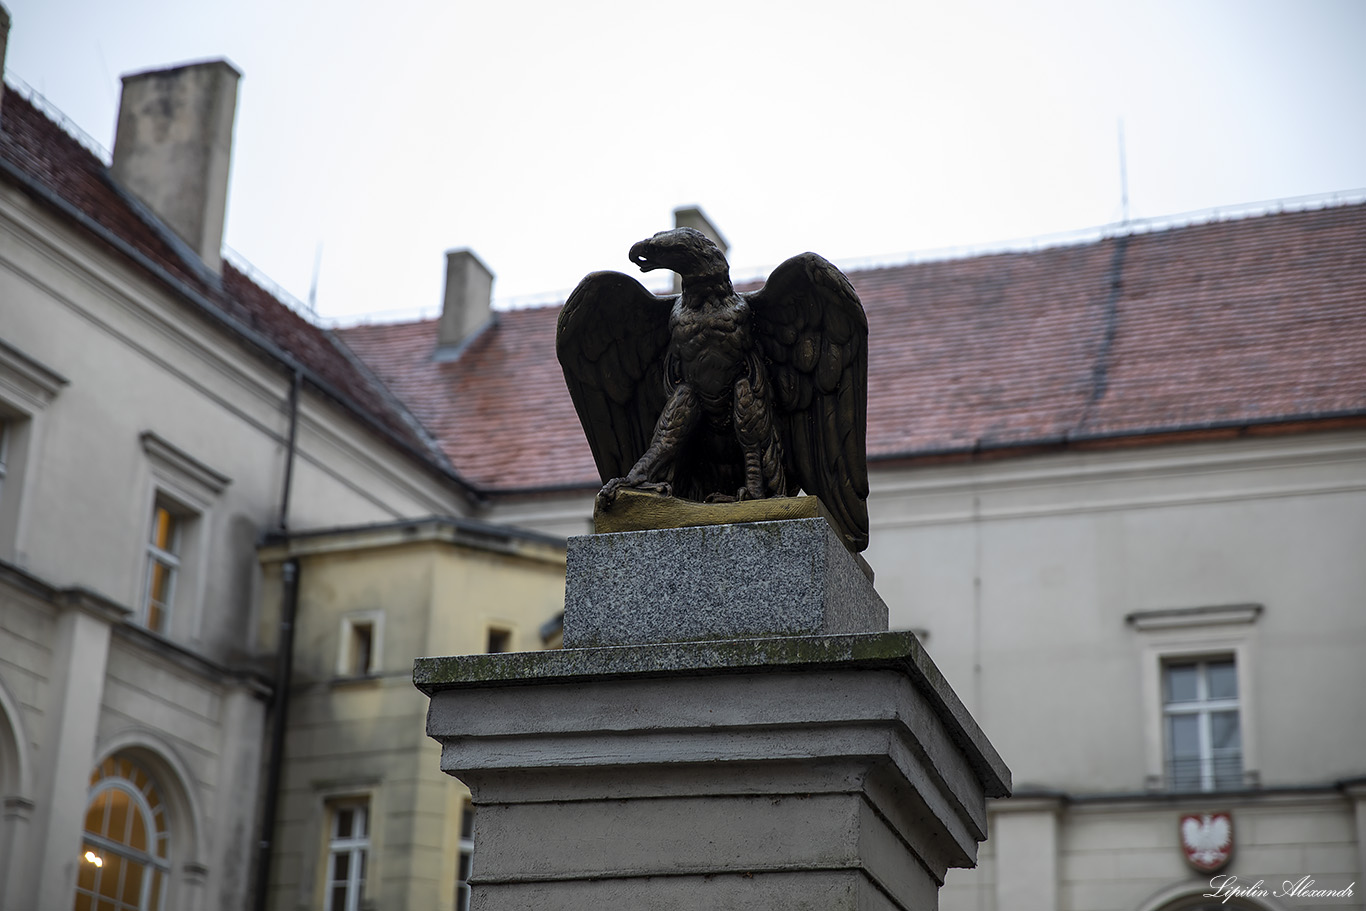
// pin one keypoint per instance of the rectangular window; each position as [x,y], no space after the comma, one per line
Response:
[362,648]
[163,564]
[347,849]
[1204,747]
[462,876]
[361,644]
[500,640]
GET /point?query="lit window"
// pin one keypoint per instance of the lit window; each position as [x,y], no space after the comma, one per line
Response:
[347,848]
[163,564]
[124,862]
[500,640]
[1204,750]
[462,880]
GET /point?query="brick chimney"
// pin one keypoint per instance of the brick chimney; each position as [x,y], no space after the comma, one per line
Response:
[694,217]
[468,303]
[173,145]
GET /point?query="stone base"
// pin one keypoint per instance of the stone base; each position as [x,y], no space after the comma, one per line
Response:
[791,578]
[830,772]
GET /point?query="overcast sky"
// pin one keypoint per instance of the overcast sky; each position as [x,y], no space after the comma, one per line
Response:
[548,137]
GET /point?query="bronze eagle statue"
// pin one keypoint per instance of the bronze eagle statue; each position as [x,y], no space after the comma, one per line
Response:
[712,395]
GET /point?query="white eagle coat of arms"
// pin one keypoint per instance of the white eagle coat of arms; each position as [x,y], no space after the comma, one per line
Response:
[1207,840]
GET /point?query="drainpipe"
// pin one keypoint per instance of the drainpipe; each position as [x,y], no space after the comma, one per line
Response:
[284,665]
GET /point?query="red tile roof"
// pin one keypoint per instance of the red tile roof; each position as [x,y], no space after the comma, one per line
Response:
[1255,321]
[41,158]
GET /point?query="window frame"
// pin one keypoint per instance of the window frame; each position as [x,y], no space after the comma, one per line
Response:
[27,387]
[1203,707]
[189,490]
[348,634]
[1171,636]
[155,863]
[357,848]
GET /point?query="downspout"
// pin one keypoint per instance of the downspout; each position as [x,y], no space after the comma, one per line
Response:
[284,661]
[284,666]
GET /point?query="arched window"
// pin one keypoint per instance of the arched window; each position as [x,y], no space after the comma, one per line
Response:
[125,860]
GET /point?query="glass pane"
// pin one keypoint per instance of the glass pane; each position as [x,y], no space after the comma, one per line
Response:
[1223,680]
[341,866]
[119,815]
[86,869]
[343,822]
[1181,683]
[158,883]
[110,874]
[361,830]
[131,893]
[137,838]
[164,526]
[1183,736]
[1224,731]
[464,867]
[338,902]
[467,822]
[362,857]
[83,903]
[94,817]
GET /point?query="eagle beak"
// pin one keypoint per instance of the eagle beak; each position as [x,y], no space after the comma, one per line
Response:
[640,255]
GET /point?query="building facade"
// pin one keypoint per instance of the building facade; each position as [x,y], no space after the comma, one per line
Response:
[1118,487]
[167,426]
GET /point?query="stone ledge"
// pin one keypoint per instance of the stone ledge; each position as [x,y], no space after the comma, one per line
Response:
[896,651]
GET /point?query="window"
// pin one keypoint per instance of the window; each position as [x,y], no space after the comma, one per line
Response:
[163,564]
[125,861]
[500,640]
[27,387]
[1198,669]
[361,638]
[462,876]
[181,494]
[347,848]
[1200,716]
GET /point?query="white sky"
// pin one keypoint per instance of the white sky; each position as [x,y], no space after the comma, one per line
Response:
[548,137]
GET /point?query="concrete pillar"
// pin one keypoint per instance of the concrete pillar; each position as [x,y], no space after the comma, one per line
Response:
[820,768]
[15,855]
[1356,792]
[229,878]
[79,657]
[1025,838]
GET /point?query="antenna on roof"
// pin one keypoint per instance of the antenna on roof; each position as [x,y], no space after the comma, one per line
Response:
[1123,178]
[313,286]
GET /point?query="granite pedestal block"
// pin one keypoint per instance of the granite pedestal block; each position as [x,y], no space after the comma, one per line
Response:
[788,578]
[719,766]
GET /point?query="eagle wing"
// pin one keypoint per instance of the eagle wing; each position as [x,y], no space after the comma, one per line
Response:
[813,332]
[611,340]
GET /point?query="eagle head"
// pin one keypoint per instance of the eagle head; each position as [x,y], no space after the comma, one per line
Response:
[686,251]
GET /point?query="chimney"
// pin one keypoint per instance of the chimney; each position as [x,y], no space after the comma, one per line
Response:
[4,40]
[173,145]
[467,307]
[694,217]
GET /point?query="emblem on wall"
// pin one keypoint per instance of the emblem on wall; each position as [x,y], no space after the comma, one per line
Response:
[1207,840]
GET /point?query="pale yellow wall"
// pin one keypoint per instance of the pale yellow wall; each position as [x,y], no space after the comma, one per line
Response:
[368,736]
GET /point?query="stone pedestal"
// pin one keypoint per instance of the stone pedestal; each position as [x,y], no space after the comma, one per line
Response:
[832,770]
